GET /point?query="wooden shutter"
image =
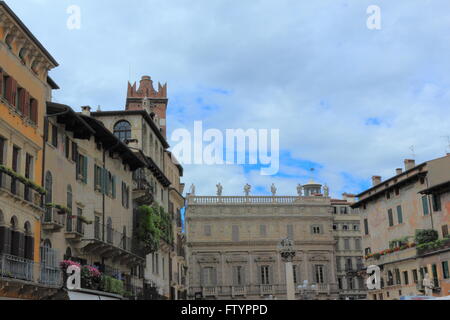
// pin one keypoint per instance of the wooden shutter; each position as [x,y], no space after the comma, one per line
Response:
[21,102]
[7,241]
[34,111]
[13,92]
[1,83]
[21,248]
[26,103]
[8,93]
[85,169]
[29,249]
[113,187]
[74,152]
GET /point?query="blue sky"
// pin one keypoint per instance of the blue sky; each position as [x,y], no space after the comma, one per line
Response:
[348,101]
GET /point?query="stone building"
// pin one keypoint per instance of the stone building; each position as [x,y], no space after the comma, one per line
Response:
[25,87]
[89,173]
[349,252]
[142,126]
[233,245]
[392,211]
[178,263]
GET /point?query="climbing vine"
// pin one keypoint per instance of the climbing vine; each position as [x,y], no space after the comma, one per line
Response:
[154,225]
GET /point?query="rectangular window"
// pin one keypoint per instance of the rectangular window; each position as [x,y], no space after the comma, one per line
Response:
[235,233]
[445,270]
[54,136]
[358,244]
[264,271]
[426,211]
[436,198]
[391,218]
[82,166]
[209,276]
[347,244]
[415,276]
[263,230]
[238,275]
[405,277]
[74,152]
[290,231]
[399,214]
[444,231]
[28,166]
[2,150]
[67,147]
[207,230]
[319,273]
[366,227]
[398,280]
[15,159]
[316,229]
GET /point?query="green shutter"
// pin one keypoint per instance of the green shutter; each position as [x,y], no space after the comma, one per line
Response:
[425,206]
[113,187]
[85,169]
[399,214]
[103,184]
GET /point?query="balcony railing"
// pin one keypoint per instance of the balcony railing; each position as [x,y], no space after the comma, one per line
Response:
[105,233]
[266,289]
[286,200]
[16,267]
[20,190]
[74,226]
[239,291]
[53,220]
[209,291]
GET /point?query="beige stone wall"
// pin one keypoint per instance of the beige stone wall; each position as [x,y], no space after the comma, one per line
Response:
[209,230]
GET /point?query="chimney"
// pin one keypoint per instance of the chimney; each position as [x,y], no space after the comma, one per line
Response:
[409,164]
[86,110]
[349,197]
[399,171]
[376,180]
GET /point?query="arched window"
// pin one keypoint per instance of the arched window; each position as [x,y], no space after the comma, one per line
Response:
[27,228]
[48,196]
[122,130]
[14,237]
[68,254]
[14,223]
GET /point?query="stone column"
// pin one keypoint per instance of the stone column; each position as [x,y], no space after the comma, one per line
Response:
[287,252]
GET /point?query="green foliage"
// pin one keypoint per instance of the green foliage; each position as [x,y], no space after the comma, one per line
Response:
[112,285]
[61,208]
[29,183]
[426,236]
[154,225]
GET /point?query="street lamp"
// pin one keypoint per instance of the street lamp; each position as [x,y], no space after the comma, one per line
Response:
[306,289]
[287,253]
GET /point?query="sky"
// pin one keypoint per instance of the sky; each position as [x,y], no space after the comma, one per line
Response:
[348,101]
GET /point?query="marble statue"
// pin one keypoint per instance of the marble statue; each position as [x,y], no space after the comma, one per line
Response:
[299,190]
[192,190]
[273,189]
[428,285]
[219,189]
[326,191]
[247,189]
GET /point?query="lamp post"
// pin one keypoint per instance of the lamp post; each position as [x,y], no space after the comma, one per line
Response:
[287,253]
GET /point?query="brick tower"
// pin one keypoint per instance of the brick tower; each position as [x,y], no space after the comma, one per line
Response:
[147,98]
